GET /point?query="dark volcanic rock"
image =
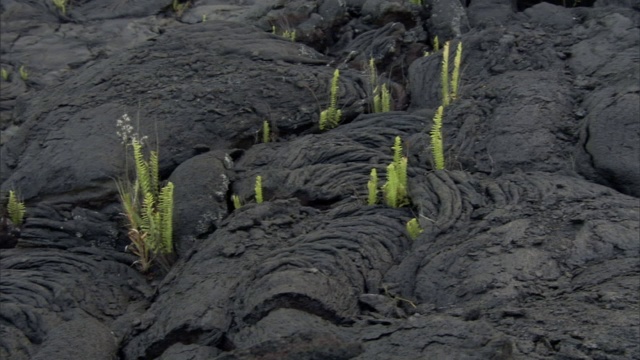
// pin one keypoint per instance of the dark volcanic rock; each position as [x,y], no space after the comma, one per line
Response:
[529,247]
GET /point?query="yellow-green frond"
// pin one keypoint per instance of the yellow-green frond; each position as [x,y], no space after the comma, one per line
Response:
[445,74]
[15,208]
[413,228]
[266,132]
[455,78]
[165,209]
[437,145]
[142,168]
[390,188]
[258,189]
[237,202]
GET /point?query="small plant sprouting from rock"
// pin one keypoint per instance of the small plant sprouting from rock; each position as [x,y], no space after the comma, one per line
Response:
[266,132]
[237,202]
[450,88]
[413,228]
[287,34]
[395,189]
[24,74]
[61,5]
[258,189]
[437,144]
[178,7]
[455,78]
[148,208]
[15,209]
[381,94]
[372,186]
[330,118]
[416,2]
[4,74]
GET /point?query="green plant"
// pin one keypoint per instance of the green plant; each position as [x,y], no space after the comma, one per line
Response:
[237,202]
[382,99]
[437,145]
[15,208]
[395,189]
[61,5]
[266,132]
[330,118]
[258,189]
[24,74]
[416,2]
[148,208]
[204,17]
[413,228]
[450,87]
[4,74]
[288,34]
[381,94]
[179,7]
[455,78]
[372,186]
[444,75]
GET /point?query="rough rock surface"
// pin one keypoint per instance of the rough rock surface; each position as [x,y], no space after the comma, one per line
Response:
[531,241]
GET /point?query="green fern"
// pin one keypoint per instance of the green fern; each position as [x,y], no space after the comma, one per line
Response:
[165,211]
[330,118]
[413,228]
[15,209]
[237,202]
[61,5]
[445,75]
[455,78]
[390,188]
[437,145]
[258,190]
[24,74]
[266,132]
[395,189]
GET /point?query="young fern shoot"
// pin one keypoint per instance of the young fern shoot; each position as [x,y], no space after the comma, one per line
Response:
[258,189]
[437,145]
[330,118]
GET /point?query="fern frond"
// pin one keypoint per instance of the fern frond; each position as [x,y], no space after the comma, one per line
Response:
[437,145]
[15,208]
[266,132]
[258,189]
[237,202]
[455,78]
[385,99]
[390,188]
[154,173]
[142,168]
[372,186]
[401,174]
[445,74]
[334,89]
[165,209]
[413,228]
[397,150]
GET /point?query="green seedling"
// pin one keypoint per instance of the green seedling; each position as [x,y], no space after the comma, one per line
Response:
[437,144]
[24,74]
[330,118]
[258,190]
[15,209]
[413,228]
